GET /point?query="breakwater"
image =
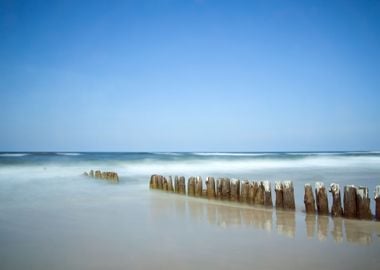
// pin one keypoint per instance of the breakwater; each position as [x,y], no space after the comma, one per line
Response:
[356,199]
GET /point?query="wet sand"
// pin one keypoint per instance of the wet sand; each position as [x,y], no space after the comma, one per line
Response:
[131,227]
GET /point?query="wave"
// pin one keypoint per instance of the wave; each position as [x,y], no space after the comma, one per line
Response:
[198,166]
[167,153]
[69,154]
[14,154]
[232,154]
[189,164]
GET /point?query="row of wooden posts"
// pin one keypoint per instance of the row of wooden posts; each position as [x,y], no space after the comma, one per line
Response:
[356,201]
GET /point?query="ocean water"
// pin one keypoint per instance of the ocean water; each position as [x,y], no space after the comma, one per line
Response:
[51,217]
[26,170]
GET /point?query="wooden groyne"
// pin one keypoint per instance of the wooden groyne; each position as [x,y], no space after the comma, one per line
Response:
[356,201]
[110,176]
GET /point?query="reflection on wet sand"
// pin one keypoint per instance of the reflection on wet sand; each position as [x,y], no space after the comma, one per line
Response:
[286,223]
[310,225]
[337,231]
[224,214]
[323,227]
[357,234]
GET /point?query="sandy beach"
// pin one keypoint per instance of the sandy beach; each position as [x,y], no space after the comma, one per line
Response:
[95,225]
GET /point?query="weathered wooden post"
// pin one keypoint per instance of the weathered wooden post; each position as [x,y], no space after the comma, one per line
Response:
[198,186]
[308,199]
[226,188]
[278,188]
[321,198]
[377,200]
[204,193]
[98,174]
[160,182]
[267,194]
[363,203]
[244,191]
[153,182]
[251,193]
[288,190]
[336,209]
[210,184]
[191,186]
[219,188]
[259,198]
[170,184]
[182,185]
[164,184]
[176,184]
[349,201]
[235,190]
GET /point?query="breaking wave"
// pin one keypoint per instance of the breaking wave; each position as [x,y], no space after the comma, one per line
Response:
[69,154]
[14,154]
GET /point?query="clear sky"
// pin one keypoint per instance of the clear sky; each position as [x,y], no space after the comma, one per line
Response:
[189,75]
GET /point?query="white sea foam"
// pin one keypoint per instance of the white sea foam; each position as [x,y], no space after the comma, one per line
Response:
[231,154]
[69,154]
[199,166]
[13,154]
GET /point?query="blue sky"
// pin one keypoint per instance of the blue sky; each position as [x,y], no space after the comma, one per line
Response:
[189,75]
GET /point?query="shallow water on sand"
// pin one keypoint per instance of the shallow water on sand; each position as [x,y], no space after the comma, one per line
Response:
[52,218]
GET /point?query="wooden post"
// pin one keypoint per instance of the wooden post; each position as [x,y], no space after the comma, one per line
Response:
[308,199]
[288,189]
[98,174]
[278,188]
[349,201]
[235,190]
[336,209]
[255,189]
[259,198]
[170,184]
[91,173]
[251,194]
[377,200]
[210,184]
[244,191]
[267,194]
[363,203]
[159,182]
[198,187]
[219,188]
[182,185]
[226,188]
[191,186]
[153,182]
[164,184]
[176,184]
[321,198]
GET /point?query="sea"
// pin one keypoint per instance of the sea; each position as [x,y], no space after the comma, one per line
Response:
[53,217]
